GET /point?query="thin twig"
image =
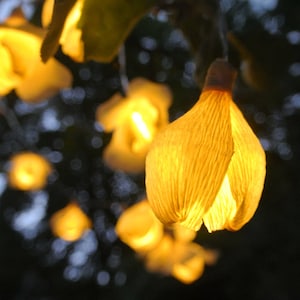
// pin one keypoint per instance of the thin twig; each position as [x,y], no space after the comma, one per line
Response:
[122,70]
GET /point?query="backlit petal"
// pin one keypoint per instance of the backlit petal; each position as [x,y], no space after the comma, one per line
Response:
[246,171]
[187,161]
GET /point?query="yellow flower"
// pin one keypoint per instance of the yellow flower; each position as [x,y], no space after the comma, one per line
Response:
[70,38]
[183,260]
[28,171]
[139,228]
[207,166]
[190,261]
[21,66]
[168,251]
[134,121]
[70,223]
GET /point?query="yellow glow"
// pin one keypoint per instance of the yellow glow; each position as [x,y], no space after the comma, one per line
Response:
[8,78]
[141,125]
[134,121]
[21,68]
[28,171]
[207,166]
[160,258]
[183,260]
[70,223]
[139,228]
[190,262]
[224,208]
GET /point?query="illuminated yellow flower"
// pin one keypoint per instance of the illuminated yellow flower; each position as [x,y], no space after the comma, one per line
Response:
[70,223]
[165,250]
[207,166]
[139,228]
[160,258]
[190,260]
[21,66]
[28,171]
[134,121]
[184,261]
[70,38]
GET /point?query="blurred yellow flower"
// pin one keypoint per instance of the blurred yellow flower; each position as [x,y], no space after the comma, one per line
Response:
[139,228]
[21,66]
[165,250]
[134,121]
[70,38]
[190,260]
[28,171]
[207,166]
[70,223]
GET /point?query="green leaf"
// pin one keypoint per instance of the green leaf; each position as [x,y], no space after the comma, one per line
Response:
[105,25]
[51,42]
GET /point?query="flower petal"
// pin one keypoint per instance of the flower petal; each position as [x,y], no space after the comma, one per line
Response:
[28,171]
[112,113]
[36,79]
[8,78]
[187,161]
[119,154]
[223,208]
[246,171]
[44,81]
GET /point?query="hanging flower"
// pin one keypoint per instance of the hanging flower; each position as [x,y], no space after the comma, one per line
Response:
[160,259]
[28,171]
[21,66]
[207,166]
[139,228]
[164,250]
[183,260]
[70,38]
[70,223]
[134,121]
[190,261]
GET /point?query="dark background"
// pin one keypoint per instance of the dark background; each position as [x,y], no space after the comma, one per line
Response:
[173,45]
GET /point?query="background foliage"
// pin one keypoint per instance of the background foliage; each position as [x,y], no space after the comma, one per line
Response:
[173,44]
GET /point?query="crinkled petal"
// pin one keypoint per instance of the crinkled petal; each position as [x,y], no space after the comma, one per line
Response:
[187,161]
[223,208]
[241,190]
[247,170]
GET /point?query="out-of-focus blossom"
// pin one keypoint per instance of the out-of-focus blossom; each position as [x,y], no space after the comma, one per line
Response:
[70,223]
[28,171]
[134,121]
[21,68]
[190,260]
[139,228]
[164,250]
